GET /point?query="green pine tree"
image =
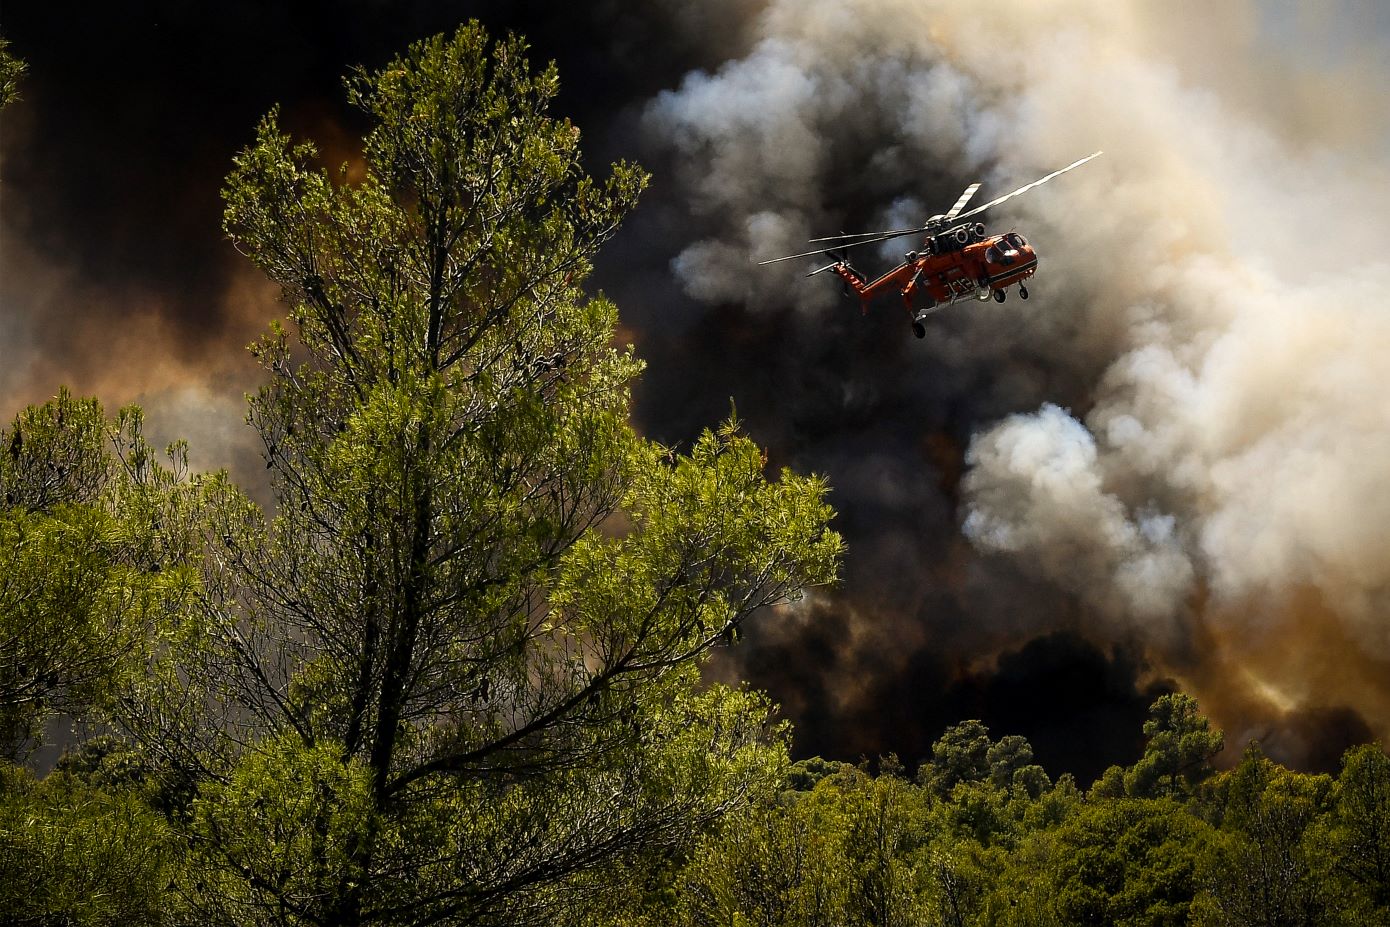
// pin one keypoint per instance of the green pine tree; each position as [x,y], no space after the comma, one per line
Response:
[456,676]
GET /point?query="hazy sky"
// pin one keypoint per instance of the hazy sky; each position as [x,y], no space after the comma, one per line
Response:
[1170,467]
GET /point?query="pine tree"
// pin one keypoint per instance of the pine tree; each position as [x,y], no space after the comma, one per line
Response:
[457,674]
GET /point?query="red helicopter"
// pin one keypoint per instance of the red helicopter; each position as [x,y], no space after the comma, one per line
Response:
[957,260]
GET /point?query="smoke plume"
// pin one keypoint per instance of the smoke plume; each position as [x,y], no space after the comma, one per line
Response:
[1185,437]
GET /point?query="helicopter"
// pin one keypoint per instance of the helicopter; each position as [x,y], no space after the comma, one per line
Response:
[958,259]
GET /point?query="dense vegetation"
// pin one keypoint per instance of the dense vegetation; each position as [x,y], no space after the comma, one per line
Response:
[11,73]
[981,836]
[453,677]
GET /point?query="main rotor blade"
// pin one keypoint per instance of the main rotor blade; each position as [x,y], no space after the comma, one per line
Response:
[950,214]
[792,257]
[1028,186]
[842,237]
[960,203]
[852,244]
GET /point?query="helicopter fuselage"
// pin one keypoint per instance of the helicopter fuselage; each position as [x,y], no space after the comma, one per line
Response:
[955,264]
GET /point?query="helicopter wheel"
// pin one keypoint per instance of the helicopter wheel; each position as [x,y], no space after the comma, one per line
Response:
[919,329]
[998,296]
[1022,291]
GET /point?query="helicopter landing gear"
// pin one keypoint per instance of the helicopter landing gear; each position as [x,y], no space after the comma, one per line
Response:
[999,296]
[1022,291]
[926,308]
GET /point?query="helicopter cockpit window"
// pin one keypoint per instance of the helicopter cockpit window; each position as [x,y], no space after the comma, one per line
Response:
[1016,240]
[993,255]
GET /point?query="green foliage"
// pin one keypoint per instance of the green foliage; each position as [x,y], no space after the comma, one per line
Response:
[1358,836]
[961,874]
[1127,862]
[89,565]
[850,851]
[1252,846]
[769,866]
[1269,865]
[59,582]
[55,454]
[80,567]
[960,755]
[853,849]
[1051,807]
[284,827]
[107,763]
[885,845]
[981,813]
[11,73]
[803,775]
[1009,757]
[1111,784]
[77,855]
[1179,751]
[965,755]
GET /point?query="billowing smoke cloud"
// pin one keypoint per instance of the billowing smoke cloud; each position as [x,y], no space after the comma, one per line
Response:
[1188,433]
[124,344]
[1035,489]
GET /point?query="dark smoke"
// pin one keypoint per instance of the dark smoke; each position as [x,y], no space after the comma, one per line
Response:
[1315,738]
[1082,707]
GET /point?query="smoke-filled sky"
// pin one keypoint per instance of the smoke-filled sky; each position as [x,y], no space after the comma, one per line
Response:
[1169,468]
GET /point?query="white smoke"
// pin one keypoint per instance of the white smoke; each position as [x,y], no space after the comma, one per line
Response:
[1223,265]
[1036,490]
